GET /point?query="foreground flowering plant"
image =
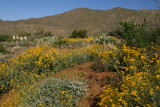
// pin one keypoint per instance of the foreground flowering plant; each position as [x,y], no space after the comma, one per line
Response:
[140,86]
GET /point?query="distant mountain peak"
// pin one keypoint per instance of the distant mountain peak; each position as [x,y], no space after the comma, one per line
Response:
[83,8]
[120,8]
[80,9]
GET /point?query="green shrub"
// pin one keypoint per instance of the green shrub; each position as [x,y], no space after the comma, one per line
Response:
[41,60]
[140,35]
[74,42]
[107,39]
[59,43]
[4,38]
[45,40]
[10,44]
[2,48]
[119,33]
[22,43]
[142,90]
[53,93]
[107,59]
[80,34]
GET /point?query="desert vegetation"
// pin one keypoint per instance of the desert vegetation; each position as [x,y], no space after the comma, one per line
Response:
[118,68]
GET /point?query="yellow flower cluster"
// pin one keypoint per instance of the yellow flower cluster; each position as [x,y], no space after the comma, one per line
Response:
[113,37]
[31,62]
[41,54]
[140,86]
[137,60]
[110,53]
[25,70]
[141,79]
[87,40]
[65,98]
[12,100]
[141,89]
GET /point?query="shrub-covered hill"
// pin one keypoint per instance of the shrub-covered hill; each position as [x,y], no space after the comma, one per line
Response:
[81,18]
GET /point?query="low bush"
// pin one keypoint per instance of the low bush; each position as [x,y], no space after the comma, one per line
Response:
[107,39]
[53,92]
[22,43]
[117,32]
[9,44]
[139,70]
[140,35]
[59,43]
[45,40]
[41,60]
[2,49]
[73,42]
[79,34]
[4,38]
[107,59]
[142,89]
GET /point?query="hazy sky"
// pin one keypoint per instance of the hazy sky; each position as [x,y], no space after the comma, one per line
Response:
[24,9]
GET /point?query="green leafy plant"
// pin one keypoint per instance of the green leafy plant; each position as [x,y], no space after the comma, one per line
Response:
[53,92]
[107,39]
[80,34]
[140,35]
[45,40]
[4,38]
[2,49]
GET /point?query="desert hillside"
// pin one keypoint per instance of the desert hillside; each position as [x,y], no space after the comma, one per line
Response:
[81,18]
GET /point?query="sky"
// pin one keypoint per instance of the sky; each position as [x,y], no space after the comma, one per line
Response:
[25,9]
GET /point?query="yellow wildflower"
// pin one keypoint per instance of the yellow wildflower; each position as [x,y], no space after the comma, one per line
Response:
[134,93]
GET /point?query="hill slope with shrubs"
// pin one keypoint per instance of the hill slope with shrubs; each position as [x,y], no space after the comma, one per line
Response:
[81,18]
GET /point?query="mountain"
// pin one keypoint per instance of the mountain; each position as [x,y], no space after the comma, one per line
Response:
[81,18]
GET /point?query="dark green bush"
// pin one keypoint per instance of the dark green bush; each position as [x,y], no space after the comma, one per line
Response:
[59,43]
[80,34]
[4,38]
[140,35]
[116,33]
[2,48]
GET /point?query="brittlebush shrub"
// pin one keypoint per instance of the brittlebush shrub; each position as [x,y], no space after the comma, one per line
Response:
[73,42]
[41,60]
[107,59]
[142,89]
[36,61]
[53,92]
[139,69]
[50,93]
[133,60]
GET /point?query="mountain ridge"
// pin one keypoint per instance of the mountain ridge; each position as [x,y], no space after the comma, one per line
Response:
[80,18]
